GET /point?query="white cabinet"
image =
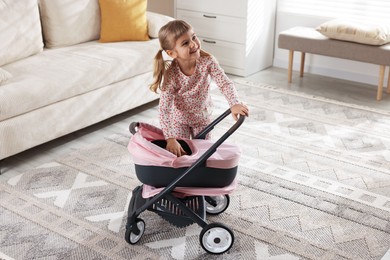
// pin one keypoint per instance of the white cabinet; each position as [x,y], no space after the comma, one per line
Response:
[239,33]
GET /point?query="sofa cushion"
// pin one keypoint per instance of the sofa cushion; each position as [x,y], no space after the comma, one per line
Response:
[356,31]
[123,20]
[68,22]
[4,76]
[60,73]
[155,22]
[20,30]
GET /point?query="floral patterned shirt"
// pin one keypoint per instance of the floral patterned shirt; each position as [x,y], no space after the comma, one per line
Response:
[186,100]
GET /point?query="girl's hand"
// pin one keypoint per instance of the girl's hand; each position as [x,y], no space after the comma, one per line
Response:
[239,109]
[174,147]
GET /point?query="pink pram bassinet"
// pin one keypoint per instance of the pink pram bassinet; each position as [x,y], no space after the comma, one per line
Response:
[157,167]
[182,189]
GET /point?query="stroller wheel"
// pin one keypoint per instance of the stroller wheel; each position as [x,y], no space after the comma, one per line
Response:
[217,204]
[130,236]
[216,238]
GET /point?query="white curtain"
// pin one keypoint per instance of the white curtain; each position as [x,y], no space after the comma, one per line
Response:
[370,10]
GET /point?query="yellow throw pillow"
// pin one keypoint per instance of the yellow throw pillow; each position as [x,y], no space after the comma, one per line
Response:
[123,20]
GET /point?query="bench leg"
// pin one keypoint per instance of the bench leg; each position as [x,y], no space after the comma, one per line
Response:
[380,83]
[388,83]
[290,65]
[302,64]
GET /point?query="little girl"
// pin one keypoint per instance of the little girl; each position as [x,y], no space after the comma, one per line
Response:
[185,102]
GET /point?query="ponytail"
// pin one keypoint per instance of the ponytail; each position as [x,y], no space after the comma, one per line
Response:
[159,70]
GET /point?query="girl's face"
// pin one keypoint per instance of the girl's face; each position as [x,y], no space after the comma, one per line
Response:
[187,47]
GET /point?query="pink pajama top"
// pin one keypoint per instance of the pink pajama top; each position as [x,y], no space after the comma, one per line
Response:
[185,100]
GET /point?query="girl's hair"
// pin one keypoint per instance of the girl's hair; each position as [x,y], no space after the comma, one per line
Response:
[168,36]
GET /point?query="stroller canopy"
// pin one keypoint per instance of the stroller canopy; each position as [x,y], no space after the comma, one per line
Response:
[146,153]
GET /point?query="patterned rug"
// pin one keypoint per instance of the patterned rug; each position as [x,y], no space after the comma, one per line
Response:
[314,183]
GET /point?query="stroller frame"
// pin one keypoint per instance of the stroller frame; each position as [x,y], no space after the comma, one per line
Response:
[215,238]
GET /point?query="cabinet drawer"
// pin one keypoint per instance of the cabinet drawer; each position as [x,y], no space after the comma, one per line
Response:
[227,53]
[215,26]
[224,7]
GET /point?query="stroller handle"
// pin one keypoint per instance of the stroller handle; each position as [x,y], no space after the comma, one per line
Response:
[207,129]
[202,159]
[222,139]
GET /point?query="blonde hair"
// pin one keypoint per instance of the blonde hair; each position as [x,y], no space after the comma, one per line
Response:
[168,36]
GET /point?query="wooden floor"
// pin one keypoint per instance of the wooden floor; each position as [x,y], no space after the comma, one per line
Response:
[341,90]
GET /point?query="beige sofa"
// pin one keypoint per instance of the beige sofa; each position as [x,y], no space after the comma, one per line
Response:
[53,85]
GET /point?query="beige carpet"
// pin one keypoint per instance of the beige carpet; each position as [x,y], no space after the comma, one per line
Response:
[314,183]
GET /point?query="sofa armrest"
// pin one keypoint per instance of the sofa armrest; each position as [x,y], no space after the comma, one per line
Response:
[155,22]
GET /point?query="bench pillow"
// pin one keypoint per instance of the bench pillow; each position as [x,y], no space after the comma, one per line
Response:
[69,22]
[20,30]
[355,31]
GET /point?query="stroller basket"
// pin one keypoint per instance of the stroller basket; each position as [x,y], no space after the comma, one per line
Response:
[172,213]
[183,189]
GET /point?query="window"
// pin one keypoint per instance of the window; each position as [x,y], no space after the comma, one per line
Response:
[371,10]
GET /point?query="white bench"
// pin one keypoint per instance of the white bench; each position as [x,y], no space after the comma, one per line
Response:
[308,40]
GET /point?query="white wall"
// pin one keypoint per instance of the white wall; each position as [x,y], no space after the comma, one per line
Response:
[165,7]
[316,64]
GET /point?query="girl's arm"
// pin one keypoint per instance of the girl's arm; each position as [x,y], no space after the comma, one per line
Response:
[166,104]
[225,84]
[228,89]
[165,110]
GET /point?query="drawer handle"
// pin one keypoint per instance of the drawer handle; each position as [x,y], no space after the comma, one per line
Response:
[209,16]
[207,41]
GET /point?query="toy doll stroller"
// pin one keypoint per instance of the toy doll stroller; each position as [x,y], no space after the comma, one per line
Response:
[183,189]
